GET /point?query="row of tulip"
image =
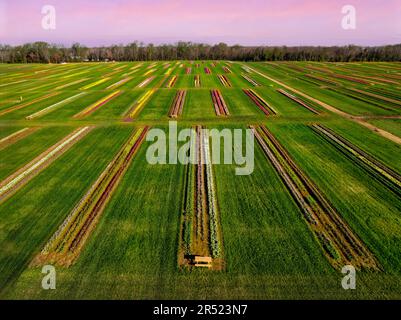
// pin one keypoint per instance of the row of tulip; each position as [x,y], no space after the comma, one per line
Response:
[377,96]
[136,66]
[119,83]
[26,104]
[92,108]
[298,100]
[178,104]
[352,79]
[339,243]
[145,82]
[91,85]
[152,65]
[197,81]
[67,242]
[188,70]
[70,84]
[27,172]
[171,82]
[54,106]
[201,234]
[250,80]
[214,224]
[137,106]
[16,136]
[149,72]
[378,170]
[220,106]
[224,80]
[207,70]
[227,69]
[260,102]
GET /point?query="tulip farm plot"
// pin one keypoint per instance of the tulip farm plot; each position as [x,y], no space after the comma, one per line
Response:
[200,179]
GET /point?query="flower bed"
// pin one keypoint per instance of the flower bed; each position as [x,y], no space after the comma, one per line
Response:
[145,82]
[339,243]
[16,136]
[219,104]
[197,81]
[227,69]
[67,242]
[298,100]
[23,105]
[207,70]
[178,104]
[92,108]
[30,170]
[171,82]
[224,81]
[137,106]
[250,80]
[53,106]
[260,102]
[201,230]
[375,168]
[119,83]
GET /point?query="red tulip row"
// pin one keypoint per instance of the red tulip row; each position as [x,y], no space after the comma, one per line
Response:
[260,102]
[220,106]
[30,170]
[178,104]
[298,100]
[188,70]
[207,70]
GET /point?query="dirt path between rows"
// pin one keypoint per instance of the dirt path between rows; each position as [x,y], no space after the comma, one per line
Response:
[358,120]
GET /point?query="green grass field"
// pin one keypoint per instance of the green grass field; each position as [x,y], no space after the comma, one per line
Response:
[132,250]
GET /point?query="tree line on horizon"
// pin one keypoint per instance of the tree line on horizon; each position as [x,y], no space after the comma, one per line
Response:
[43,52]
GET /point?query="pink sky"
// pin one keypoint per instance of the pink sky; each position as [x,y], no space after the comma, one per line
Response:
[248,22]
